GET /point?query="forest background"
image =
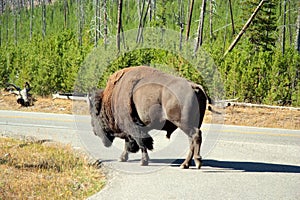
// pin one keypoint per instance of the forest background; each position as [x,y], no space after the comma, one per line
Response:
[45,42]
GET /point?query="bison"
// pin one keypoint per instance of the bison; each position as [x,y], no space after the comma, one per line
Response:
[139,99]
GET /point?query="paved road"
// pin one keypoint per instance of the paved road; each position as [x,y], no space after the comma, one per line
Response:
[239,162]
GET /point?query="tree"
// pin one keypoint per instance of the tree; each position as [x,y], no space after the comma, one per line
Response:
[181,22]
[16,14]
[297,45]
[142,21]
[211,12]
[1,32]
[201,25]
[44,24]
[97,17]
[231,16]
[188,26]
[261,34]
[119,23]
[66,13]
[245,27]
[284,26]
[105,22]
[31,18]
[80,18]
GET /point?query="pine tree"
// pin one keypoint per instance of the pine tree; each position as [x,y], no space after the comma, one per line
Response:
[261,33]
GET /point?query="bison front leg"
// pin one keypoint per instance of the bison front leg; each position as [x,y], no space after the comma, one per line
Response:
[124,156]
[194,151]
[145,157]
[130,146]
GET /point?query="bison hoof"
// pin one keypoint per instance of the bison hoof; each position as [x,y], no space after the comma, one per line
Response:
[144,162]
[198,165]
[184,166]
[123,157]
[198,162]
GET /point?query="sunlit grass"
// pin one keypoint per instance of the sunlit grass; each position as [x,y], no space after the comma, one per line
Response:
[38,170]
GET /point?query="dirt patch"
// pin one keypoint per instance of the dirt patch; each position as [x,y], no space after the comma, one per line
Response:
[41,104]
[258,117]
[233,115]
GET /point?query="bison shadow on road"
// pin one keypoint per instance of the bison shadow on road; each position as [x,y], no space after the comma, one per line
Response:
[215,166]
[245,166]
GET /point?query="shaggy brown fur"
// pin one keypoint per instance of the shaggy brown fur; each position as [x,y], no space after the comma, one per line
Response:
[107,96]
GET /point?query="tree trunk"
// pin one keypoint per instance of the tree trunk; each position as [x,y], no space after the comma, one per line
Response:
[297,45]
[284,28]
[154,9]
[142,22]
[290,25]
[66,12]
[139,9]
[225,31]
[181,22]
[80,17]
[31,17]
[200,26]
[119,23]
[238,37]
[188,26]
[231,16]
[150,10]
[97,22]
[1,31]
[44,24]
[7,22]
[140,12]
[211,19]
[105,22]
[15,13]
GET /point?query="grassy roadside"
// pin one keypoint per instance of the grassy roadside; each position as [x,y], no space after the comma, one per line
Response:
[43,170]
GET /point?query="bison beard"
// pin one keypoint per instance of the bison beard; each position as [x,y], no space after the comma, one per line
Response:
[139,99]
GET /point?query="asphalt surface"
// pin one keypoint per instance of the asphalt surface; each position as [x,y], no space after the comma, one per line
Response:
[238,162]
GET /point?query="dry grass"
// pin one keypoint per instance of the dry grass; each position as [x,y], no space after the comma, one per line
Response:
[257,117]
[234,115]
[37,170]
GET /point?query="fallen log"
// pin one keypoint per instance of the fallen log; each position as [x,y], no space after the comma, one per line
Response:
[79,97]
[262,106]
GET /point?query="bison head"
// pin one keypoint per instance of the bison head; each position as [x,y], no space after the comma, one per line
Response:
[97,118]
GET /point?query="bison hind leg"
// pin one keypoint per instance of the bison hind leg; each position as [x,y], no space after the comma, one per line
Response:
[197,140]
[194,151]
